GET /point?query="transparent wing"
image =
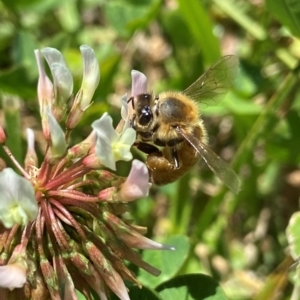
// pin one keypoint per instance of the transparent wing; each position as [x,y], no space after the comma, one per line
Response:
[215,163]
[212,86]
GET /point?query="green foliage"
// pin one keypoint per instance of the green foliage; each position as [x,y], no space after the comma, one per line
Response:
[287,12]
[238,240]
[192,286]
[161,260]
[200,27]
[126,17]
[293,235]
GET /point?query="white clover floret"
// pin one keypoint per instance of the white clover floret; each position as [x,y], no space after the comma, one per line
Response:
[137,183]
[18,204]
[112,146]
[58,141]
[91,75]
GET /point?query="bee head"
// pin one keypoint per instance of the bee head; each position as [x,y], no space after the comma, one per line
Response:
[143,109]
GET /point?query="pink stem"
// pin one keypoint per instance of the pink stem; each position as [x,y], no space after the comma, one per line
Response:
[72,195]
[70,218]
[59,166]
[16,163]
[82,183]
[90,207]
[11,236]
[59,235]
[75,171]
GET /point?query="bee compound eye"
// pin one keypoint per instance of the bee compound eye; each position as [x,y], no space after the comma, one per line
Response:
[146,116]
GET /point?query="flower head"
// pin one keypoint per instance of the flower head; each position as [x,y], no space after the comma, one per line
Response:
[66,214]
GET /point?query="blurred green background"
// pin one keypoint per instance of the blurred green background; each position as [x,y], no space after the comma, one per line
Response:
[239,240]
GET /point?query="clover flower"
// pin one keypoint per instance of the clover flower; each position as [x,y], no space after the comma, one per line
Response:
[61,220]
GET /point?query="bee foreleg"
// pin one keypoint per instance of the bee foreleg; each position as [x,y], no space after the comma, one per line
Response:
[156,162]
[132,121]
[146,148]
[131,99]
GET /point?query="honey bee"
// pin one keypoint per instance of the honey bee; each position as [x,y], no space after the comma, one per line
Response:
[170,129]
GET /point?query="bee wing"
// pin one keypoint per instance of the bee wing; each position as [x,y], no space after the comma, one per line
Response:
[211,87]
[215,163]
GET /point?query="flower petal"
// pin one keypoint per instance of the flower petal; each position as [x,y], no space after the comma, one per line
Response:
[111,146]
[2,135]
[139,83]
[63,83]
[121,147]
[58,141]
[128,137]
[106,135]
[52,55]
[18,202]
[124,108]
[12,276]
[91,75]
[45,86]
[126,111]
[104,127]
[137,183]
[30,139]
[31,159]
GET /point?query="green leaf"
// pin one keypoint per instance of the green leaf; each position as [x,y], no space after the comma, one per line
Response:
[286,133]
[169,262]
[287,12]
[109,68]
[23,51]
[80,296]
[127,16]
[191,286]
[185,51]
[242,107]
[201,29]
[17,4]
[238,15]
[17,81]
[293,235]
[68,16]
[35,6]
[11,107]
[234,104]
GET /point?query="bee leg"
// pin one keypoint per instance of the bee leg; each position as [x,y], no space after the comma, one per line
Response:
[132,102]
[175,158]
[132,121]
[158,163]
[161,170]
[146,148]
